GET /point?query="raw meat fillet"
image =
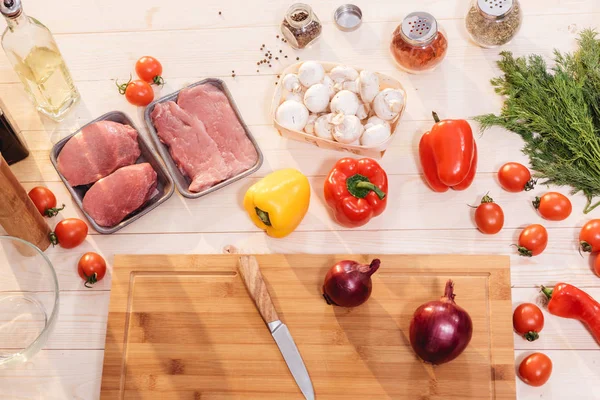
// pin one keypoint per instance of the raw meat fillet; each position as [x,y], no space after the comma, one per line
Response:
[211,106]
[112,198]
[193,151]
[97,151]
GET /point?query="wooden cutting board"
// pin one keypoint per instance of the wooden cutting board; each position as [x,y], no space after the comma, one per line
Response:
[184,327]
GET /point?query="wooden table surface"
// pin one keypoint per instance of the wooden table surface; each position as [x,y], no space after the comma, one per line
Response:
[101,40]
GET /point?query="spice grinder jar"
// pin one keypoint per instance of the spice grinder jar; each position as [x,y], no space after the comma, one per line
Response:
[419,43]
[493,23]
[300,26]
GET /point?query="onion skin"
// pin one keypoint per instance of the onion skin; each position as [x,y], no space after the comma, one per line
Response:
[440,330]
[348,283]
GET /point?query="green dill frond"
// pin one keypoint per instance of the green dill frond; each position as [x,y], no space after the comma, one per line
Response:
[556,112]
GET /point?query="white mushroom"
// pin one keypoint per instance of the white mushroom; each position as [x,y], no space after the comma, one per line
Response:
[292,115]
[345,102]
[375,134]
[310,73]
[327,81]
[363,111]
[369,86]
[316,98]
[310,124]
[324,126]
[349,130]
[294,96]
[353,86]
[291,83]
[375,120]
[343,73]
[388,104]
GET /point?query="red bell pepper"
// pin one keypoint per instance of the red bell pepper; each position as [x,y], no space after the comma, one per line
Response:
[448,155]
[356,190]
[567,301]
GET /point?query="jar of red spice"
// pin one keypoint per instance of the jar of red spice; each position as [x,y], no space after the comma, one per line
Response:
[419,44]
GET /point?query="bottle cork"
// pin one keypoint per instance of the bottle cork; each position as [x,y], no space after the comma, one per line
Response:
[18,215]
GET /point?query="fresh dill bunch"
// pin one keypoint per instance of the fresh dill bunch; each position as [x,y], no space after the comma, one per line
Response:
[557,113]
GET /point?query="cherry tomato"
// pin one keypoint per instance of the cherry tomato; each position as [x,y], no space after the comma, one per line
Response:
[69,233]
[553,206]
[533,240]
[535,369]
[589,237]
[139,93]
[91,268]
[45,201]
[489,216]
[528,321]
[149,70]
[515,177]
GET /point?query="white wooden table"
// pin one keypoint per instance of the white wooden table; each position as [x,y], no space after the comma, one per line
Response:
[101,40]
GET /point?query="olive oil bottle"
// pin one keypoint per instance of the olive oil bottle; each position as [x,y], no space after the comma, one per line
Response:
[32,51]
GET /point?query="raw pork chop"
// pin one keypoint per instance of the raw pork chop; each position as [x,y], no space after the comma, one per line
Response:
[112,198]
[211,106]
[97,151]
[193,151]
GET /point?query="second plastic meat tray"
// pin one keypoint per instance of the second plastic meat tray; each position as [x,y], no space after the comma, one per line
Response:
[181,181]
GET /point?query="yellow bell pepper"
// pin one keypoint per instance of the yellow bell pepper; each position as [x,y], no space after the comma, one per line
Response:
[278,202]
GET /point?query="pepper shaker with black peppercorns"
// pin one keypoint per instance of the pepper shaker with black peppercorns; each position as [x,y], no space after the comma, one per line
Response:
[300,26]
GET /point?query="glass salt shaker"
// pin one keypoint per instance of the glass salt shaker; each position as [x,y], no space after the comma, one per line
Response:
[493,23]
[419,44]
[300,26]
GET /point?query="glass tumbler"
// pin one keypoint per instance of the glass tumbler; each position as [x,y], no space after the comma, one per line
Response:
[28,300]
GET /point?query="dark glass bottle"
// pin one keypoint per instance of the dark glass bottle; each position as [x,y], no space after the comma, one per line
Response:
[11,147]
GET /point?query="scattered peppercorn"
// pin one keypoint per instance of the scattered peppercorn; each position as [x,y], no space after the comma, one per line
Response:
[277,58]
[281,51]
[266,54]
[257,71]
[285,56]
[219,12]
[277,36]
[297,58]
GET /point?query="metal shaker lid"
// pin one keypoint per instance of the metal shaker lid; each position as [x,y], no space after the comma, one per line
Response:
[11,8]
[495,8]
[419,28]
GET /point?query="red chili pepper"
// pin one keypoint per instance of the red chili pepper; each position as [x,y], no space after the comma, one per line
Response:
[567,301]
[448,155]
[356,190]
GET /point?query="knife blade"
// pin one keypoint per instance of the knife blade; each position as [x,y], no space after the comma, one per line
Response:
[257,289]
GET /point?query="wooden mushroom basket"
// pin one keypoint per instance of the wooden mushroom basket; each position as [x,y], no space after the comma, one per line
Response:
[377,151]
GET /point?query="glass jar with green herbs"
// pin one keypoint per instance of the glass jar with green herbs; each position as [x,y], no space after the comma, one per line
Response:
[493,23]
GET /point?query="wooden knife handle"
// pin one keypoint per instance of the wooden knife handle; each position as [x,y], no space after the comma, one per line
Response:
[255,284]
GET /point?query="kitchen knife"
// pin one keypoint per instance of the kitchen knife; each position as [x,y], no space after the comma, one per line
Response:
[255,284]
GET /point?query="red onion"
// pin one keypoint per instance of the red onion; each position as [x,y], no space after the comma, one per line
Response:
[348,283]
[440,330]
